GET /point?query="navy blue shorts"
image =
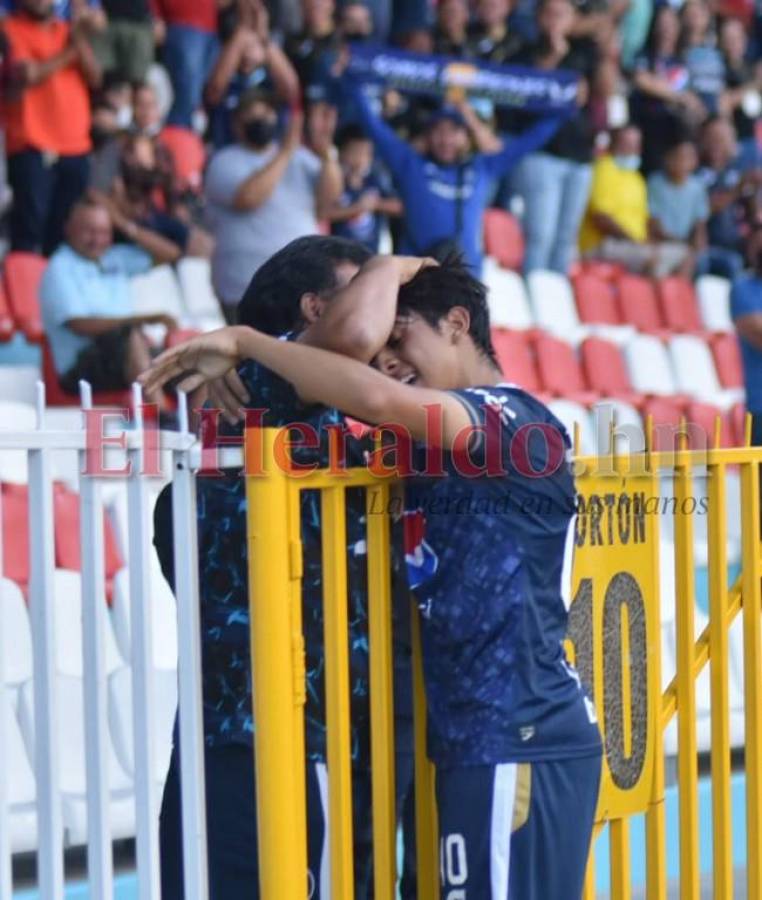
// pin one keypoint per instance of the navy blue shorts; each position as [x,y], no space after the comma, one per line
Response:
[516,831]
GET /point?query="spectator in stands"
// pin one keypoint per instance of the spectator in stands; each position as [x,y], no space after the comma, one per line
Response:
[116,91]
[146,113]
[698,48]
[746,309]
[662,102]
[316,45]
[616,226]
[445,189]
[368,198]
[320,120]
[728,183]
[249,59]
[490,38]
[86,303]
[127,44]
[742,98]
[451,30]
[47,121]
[67,10]
[263,192]
[555,183]
[190,51]
[677,199]
[355,21]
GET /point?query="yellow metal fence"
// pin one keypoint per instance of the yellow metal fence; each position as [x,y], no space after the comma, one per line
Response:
[614,639]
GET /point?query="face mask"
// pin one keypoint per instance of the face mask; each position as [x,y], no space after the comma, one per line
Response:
[140,179]
[259,132]
[124,116]
[358,37]
[631,162]
[99,136]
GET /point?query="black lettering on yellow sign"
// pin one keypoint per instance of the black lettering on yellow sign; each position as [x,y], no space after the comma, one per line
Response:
[604,520]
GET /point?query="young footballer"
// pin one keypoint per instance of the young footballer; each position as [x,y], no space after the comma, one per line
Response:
[511,731]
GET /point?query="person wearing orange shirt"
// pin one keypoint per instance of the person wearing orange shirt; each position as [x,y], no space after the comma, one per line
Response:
[46,113]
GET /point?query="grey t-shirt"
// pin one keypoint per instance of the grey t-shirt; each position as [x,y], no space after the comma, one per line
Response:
[679,207]
[244,240]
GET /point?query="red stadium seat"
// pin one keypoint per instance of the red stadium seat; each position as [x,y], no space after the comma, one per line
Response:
[503,239]
[56,396]
[702,419]
[638,303]
[22,275]
[15,512]
[188,153]
[606,372]
[727,360]
[608,271]
[560,372]
[666,413]
[738,422]
[679,306]
[7,325]
[514,353]
[596,299]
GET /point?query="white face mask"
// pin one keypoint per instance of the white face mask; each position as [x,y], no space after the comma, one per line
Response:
[124,116]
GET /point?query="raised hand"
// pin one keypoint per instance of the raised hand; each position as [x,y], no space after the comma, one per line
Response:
[200,360]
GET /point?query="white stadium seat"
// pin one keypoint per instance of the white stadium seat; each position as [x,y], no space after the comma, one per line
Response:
[20,785]
[15,416]
[507,297]
[16,636]
[554,308]
[164,685]
[70,753]
[649,366]
[568,412]
[20,383]
[157,292]
[67,587]
[696,375]
[629,436]
[164,617]
[713,295]
[201,305]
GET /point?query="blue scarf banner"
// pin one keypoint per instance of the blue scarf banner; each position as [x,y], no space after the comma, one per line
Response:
[522,87]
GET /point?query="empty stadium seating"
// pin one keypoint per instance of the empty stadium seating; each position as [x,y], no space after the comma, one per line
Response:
[507,297]
[649,366]
[516,358]
[639,304]
[188,154]
[695,373]
[606,372]
[679,308]
[560,371]
[571,414]
[503,238]
[713,295]
[7,325]
[727,360]
[22,273]
[553,304]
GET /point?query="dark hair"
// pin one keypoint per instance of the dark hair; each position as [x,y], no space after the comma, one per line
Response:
[254,95]
[435,290]
[348,134]
[271,302]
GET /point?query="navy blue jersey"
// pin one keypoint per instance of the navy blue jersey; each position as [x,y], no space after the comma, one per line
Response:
[226,668]
[365,228]
[486,572]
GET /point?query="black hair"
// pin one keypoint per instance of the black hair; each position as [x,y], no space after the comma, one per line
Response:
[271,302]
[435,290]
[254,95]
[350,133]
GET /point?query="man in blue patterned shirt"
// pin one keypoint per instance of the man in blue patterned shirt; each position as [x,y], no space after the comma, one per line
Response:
[292,295]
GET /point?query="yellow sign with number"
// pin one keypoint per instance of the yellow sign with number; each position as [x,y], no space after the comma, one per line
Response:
[614,628]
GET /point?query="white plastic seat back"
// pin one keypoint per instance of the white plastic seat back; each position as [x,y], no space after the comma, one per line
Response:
[157,292]
[649,366]
[164,618]
[67,586]
[16,635]
[569,413]
[553,304]
[19,383]
[629,435]
[15,416]
[195,277]
[507,297]
[696,374]
[713,295]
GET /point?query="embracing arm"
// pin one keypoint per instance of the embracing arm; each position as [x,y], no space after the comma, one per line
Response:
[534,138]
[318,376]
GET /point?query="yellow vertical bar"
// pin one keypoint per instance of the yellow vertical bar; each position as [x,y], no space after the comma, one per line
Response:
[381,694]
[687,767]
[619,859]
[752,654]
[722,835]
[656,831]
[426,826]
[336,630]
[279,762]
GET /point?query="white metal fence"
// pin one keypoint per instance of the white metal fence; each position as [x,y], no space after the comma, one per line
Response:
[61,712]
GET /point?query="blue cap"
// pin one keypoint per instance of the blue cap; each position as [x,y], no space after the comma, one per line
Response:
[446,113]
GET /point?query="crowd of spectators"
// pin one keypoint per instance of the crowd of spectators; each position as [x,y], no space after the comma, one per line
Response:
[657,168]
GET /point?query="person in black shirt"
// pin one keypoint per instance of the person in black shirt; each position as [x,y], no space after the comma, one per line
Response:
[555,183]
[451,30]
[489,38]
[743,79]
[312,49]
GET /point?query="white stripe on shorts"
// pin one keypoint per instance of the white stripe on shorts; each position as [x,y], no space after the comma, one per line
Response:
[503,798]
[325,855]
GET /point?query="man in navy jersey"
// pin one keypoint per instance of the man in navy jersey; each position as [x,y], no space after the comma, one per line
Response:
[293,295]
[511,731]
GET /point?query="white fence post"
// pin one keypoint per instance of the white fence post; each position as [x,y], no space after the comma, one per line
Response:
[5,818]
[42,608]
[100,867]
